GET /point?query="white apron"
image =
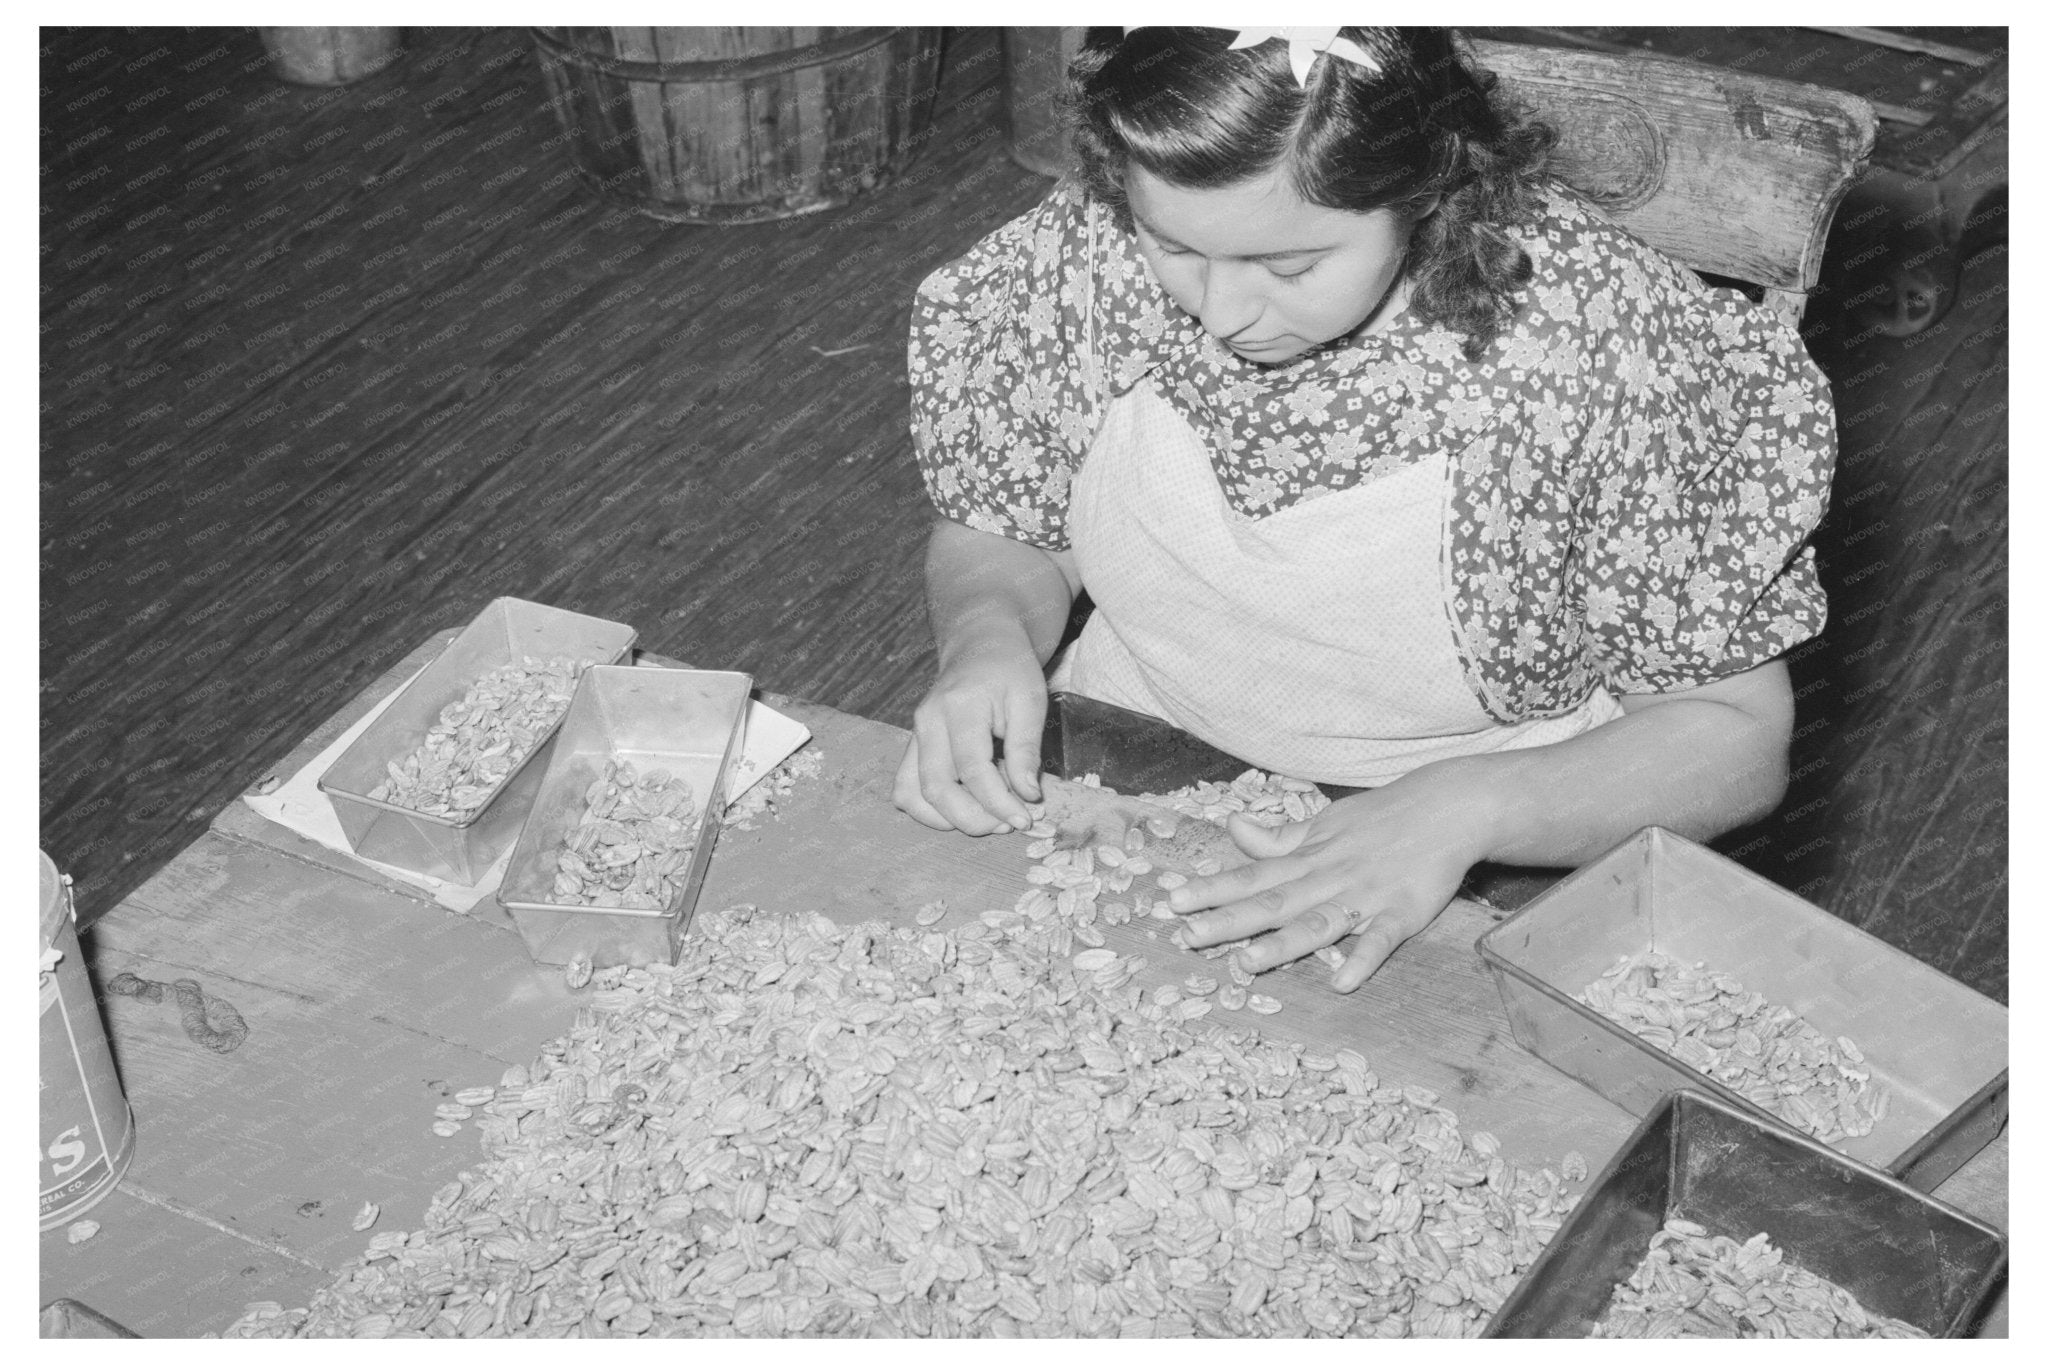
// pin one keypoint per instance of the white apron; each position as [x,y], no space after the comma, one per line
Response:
[1315,642]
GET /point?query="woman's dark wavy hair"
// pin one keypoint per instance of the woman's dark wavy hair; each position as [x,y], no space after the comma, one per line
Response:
[1182,106]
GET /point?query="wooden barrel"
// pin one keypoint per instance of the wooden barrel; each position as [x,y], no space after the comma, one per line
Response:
[1034,75]
[738,125]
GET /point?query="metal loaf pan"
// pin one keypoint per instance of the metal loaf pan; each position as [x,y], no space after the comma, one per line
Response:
[1938,1045]
[1902,1253]
[459,850]
[688,721]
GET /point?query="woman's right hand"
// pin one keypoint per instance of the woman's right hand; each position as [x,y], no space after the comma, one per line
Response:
[998,609]
[949,778]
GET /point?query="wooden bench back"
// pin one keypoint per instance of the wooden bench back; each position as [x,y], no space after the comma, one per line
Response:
[1733,174]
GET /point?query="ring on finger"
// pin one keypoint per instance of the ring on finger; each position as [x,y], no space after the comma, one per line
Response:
[1352,917]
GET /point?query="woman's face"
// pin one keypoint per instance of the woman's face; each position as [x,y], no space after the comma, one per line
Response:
[1267,273]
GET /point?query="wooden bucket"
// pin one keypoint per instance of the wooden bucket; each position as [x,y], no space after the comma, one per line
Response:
[329,56]
[738,125]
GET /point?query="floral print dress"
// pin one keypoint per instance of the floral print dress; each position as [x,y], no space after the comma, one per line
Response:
[1634,466]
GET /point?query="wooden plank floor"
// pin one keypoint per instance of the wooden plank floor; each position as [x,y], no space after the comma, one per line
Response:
[323,371]
[326,370]
[1897,819]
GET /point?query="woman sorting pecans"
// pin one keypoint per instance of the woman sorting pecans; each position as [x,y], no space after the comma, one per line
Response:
[1386,463]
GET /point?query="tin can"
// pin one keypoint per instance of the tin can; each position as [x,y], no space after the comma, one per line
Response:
[87,1133]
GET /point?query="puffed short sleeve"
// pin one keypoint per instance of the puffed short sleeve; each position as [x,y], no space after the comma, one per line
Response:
[1002,406]
[1708,477]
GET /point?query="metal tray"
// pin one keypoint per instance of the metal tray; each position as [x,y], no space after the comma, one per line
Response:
[689,721]
[1939,1046]
[432,845]
[1902,1253]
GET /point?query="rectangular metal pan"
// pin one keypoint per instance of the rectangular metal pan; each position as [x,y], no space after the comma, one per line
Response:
[509,629]
[1902,1253]
[690,722]
[1938,1045]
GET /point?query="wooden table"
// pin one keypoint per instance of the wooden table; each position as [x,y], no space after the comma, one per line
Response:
[368,1004]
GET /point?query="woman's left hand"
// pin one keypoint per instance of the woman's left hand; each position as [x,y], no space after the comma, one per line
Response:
[1381,864]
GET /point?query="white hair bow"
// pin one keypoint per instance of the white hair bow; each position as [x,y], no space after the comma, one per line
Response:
[1304,45]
